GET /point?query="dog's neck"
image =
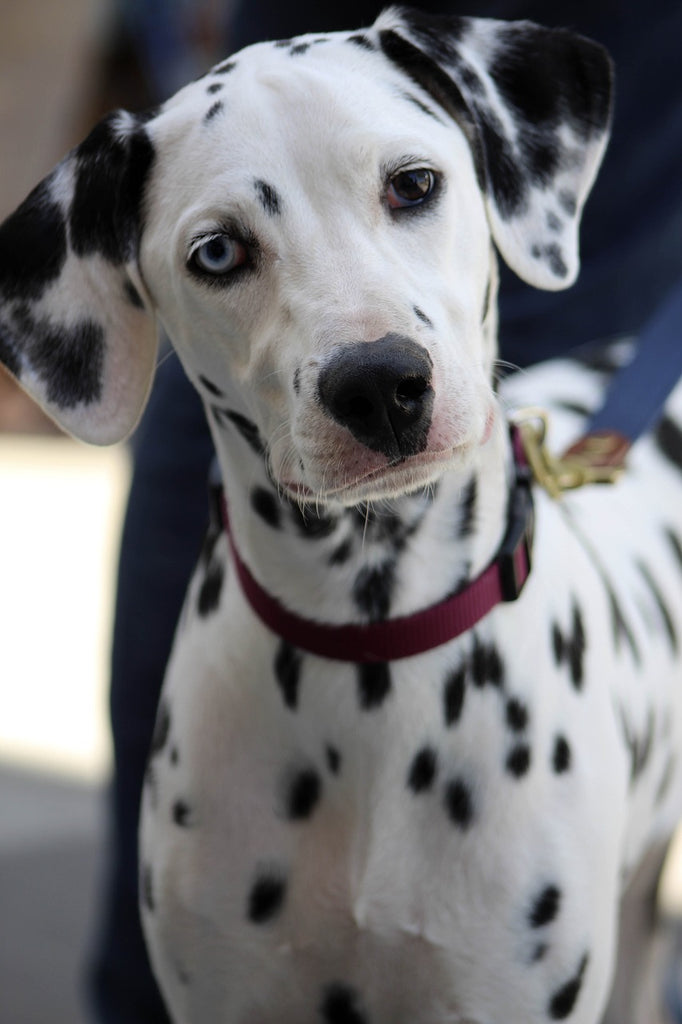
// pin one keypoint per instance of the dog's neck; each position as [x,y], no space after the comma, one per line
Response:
[374,561]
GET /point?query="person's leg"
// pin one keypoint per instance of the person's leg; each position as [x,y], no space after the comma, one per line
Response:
[166,518]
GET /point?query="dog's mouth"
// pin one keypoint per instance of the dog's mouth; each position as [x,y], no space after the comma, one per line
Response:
[397,478]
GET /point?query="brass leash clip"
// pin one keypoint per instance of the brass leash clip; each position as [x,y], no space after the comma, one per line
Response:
[597,458]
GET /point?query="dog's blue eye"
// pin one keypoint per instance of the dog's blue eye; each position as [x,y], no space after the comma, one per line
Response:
[409,188]
[219,255]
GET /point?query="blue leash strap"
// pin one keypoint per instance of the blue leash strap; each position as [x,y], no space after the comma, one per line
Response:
[639,390]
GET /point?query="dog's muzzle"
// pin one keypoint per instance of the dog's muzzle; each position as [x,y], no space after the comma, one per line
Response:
[381,391]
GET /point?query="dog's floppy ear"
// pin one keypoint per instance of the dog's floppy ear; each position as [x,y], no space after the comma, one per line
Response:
[535,104]
[74,329]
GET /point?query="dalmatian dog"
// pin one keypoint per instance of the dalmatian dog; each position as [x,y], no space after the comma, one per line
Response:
[467,833]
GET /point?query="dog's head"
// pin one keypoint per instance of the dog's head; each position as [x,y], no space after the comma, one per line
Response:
[312,222]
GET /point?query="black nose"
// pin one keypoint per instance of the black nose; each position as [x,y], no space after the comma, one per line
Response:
[381,391]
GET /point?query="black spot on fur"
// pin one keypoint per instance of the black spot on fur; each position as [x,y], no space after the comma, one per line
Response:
[265,504]
[561,756]
[181,814]
[212,388]
[486,301]
[568,202]
[162,725]
[9,350]
[69,359]
[506,179]
[132,295]
[422,770]
[639,747]
[675,544]
[247,429]
[32,246]
[619,625]
[224,68]
[210,589]
[215,87]
[459,803]
[422,316]
[269,198]
[147,888]
[374,684]
[112,167]
[545,907]
[299,49]
[288,673]
[453,695]
[361,40]
[213,111]
[304,793]
[421,106]
[174,756]
[467,518]
[657,595]
[569,649]
[564,999]
[340,1005]
[342,553]
[311,524]
[333,759]
[297,380]
[486,664]
[555,259]
[372,590]
[516,715]
[518,760]
[266,898]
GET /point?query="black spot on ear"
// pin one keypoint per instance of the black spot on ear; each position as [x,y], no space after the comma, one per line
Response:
[215,87]
[669,440]
[553,222]
[147,888]
[468,502]
[32,246]
[112,168]
[161,728]
[545,907]
[561,756]
[555,260]
[340,1005]
[516,715]
[70,360]
[265,504]
[422,771]
[224,68]
[372,590]
[362,41]
[303,796]
[298,49]
[288,673]
[212,388]
[333,759]
[269,198]
[211,588]
[506,179]
[374,684]
[486,664]
[180,814]
[568,202]
[213,111]
[459,803]
[453,695]
[564,999]
[518,760]
[266,898]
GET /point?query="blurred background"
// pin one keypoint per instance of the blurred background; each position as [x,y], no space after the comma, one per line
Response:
[63,65]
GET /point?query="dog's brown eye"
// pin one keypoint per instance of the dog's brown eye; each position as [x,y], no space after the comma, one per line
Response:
[409,188]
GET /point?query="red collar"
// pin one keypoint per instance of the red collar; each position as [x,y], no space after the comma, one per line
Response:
[408,635]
